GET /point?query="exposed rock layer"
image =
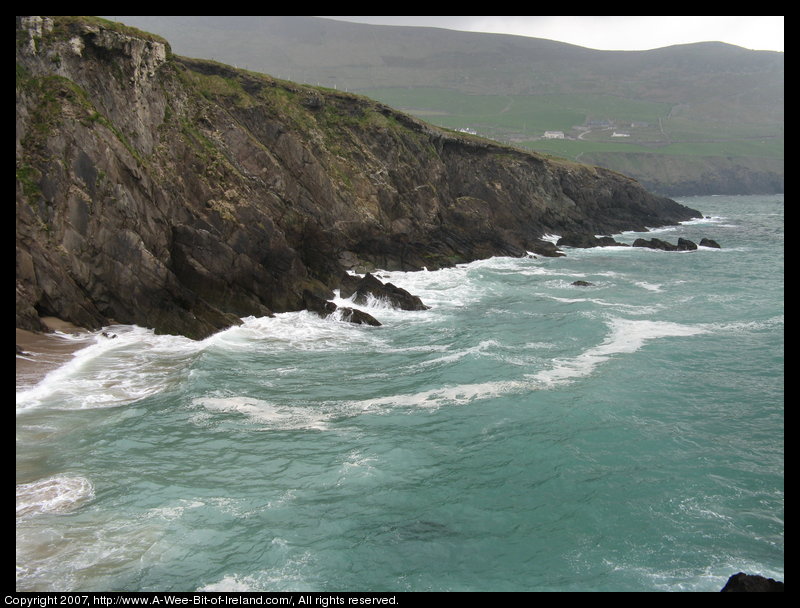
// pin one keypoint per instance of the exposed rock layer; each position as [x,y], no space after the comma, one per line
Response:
[182,195]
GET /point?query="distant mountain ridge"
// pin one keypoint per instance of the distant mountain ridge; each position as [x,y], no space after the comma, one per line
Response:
[359,56]
[718,101]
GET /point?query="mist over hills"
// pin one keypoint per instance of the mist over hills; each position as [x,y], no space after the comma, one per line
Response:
[686,119]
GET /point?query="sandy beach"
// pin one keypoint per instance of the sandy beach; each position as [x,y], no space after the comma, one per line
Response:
[38,354]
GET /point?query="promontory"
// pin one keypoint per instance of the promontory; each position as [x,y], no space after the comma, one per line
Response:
[182,194]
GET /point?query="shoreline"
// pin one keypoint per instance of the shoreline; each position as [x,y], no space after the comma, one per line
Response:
[40,353]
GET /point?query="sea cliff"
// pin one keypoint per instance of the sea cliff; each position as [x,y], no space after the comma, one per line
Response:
[181,194]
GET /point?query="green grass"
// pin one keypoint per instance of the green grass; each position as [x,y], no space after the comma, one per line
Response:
[532,114]
[523,119]
[28,177]
[63,27]
[761,148]
[680,129]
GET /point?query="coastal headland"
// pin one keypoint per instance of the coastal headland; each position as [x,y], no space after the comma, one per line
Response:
[183,194]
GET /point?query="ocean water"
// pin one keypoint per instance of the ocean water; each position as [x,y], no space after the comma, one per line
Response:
[524,434]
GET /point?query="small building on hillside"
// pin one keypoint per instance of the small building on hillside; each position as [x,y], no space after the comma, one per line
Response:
[554,134]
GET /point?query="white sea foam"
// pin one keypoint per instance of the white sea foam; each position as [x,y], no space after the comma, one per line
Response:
[648,286]
[748,326]
[635,309]
[174,511]
[137,363]
[58,494]
[114,371]
[449,395]
[531,271]
[716,220]
[269,415]
[626,336]
[706,578]
[670,228]
[287,575]
[450,288]
[232,583]
[372,303]
[295,331]
[356,467]
[79,554]
[451,357]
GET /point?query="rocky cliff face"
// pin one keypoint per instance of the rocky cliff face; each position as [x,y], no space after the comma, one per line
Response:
[182,195]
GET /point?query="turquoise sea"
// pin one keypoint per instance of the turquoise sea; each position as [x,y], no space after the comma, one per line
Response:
[524,434]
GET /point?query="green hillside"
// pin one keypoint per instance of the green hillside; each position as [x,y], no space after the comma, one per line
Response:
[711,101]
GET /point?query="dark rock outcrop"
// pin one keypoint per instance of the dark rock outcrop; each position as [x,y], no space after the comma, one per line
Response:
[683,244]
[590,240]
[181,195]
[587,240]
[314,303]
[582,284]
[359,317]
[324,309]
[371,287]
[655,243]
[741,582]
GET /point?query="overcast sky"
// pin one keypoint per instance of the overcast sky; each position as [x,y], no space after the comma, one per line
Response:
[613,33]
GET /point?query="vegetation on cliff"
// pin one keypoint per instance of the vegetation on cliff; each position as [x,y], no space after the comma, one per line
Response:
[182,194]
[704,118]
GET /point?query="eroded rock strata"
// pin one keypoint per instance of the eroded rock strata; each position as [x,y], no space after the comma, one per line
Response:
[181,194]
